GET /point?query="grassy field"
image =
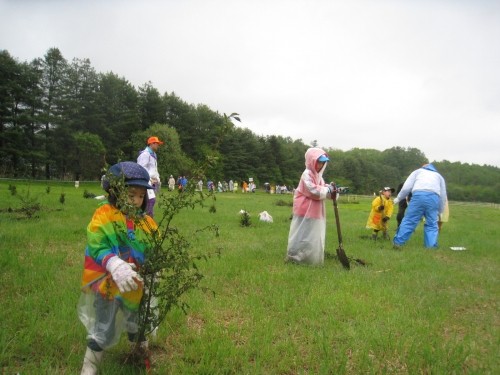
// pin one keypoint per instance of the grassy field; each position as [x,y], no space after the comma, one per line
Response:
[410,311]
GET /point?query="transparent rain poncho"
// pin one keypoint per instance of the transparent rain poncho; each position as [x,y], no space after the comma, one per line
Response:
[306,239]
[113,319]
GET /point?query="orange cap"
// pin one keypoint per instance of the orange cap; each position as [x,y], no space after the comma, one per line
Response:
[154,140]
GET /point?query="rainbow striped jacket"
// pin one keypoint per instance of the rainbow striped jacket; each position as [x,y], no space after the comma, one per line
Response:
[109,234]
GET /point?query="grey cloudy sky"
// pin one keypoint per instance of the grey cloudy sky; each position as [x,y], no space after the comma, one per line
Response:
[359,73]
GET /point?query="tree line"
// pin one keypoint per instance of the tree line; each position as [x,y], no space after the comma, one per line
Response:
[62,119]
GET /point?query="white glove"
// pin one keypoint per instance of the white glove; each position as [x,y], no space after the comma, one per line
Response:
[123,274]
[396,200]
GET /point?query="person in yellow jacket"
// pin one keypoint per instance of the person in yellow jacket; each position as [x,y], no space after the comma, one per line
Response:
[381,212]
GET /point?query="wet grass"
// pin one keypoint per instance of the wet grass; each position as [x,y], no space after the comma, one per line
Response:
[409,311]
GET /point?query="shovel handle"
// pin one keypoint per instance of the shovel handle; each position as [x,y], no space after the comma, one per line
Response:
[337,221]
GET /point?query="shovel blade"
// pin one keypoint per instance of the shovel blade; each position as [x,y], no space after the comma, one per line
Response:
[343,258]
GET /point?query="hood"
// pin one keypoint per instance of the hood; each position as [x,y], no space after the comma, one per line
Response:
[312,154]
[429,167]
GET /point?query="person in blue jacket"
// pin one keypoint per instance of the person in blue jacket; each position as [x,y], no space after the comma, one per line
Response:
[428,200]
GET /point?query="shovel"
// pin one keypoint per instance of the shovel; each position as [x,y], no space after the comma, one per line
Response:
[343,258]
[340,250]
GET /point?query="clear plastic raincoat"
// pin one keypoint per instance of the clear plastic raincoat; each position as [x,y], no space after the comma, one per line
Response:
[306,239]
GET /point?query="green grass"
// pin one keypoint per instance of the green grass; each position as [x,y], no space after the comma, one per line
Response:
[410,311]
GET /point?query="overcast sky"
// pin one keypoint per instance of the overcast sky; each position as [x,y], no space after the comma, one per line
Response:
[367,74]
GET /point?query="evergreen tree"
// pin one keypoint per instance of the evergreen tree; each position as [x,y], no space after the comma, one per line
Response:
[53,71]
[152,108]
[67,120]
[118,103]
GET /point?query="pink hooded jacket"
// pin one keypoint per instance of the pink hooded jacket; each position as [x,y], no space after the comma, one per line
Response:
[312,190]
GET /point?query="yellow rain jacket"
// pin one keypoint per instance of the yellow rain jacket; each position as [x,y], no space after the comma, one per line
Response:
[376,216]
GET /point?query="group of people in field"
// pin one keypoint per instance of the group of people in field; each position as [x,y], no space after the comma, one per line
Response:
[425,187]
[427,190]
[228,186]
[117,235]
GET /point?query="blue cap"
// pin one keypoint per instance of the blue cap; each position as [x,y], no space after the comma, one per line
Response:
[323,158]
[132,173]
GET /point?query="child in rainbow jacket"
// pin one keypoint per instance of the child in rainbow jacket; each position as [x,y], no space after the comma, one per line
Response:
[117,241]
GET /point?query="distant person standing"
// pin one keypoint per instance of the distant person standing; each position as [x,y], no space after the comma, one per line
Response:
[184,183]
[149,160]
[210,186]
[251,187]
[428,200]
[171,183]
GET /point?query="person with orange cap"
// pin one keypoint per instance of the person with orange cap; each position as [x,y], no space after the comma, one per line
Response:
[149,160]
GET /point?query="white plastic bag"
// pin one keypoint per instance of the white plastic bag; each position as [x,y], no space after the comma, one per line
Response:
[264,216]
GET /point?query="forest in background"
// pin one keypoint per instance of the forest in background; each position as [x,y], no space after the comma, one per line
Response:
[61,119]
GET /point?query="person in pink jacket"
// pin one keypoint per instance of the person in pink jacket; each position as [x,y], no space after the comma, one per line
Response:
[306,239]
